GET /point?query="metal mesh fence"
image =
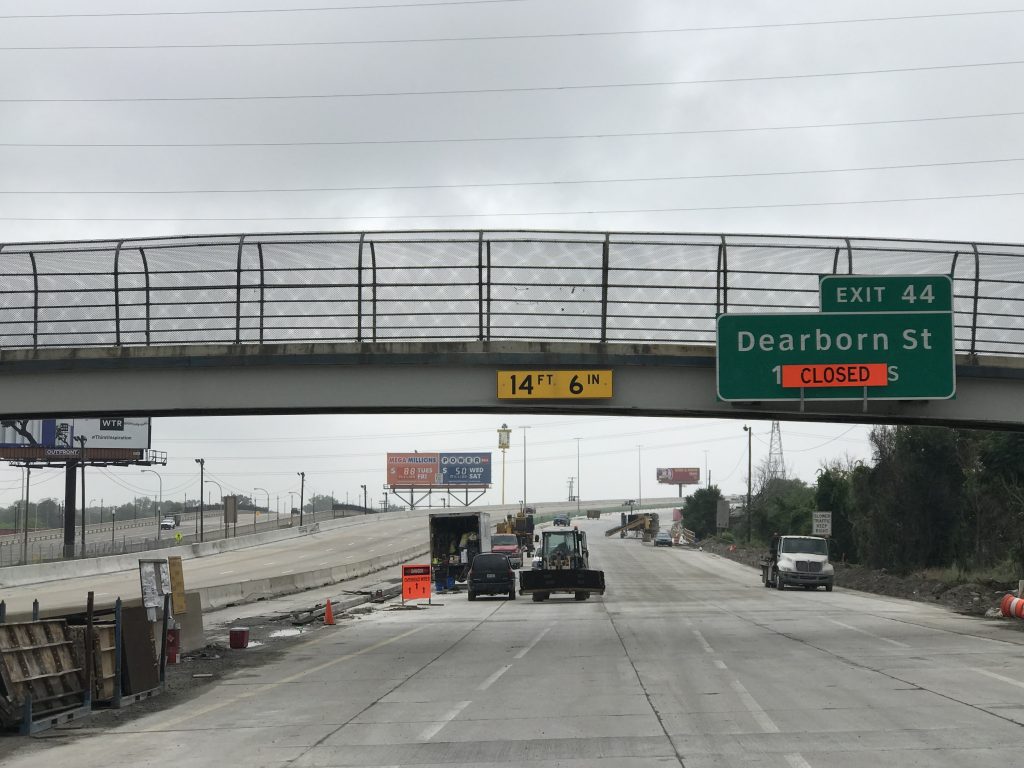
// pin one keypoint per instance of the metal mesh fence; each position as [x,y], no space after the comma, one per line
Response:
[468,285]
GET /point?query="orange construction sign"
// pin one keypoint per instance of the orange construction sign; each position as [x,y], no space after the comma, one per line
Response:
[835,375]
[415,582]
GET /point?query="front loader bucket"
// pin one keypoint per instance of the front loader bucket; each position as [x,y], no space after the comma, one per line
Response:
[565,580]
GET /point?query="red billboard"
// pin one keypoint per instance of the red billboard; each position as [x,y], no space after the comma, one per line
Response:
[414,469]
[679,475]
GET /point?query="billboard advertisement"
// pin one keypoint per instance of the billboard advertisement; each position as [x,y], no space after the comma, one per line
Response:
[424,470]
[465,469]
[413,469]
[55,438]
[679,475]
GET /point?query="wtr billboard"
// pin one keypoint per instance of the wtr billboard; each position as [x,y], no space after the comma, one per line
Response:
[114,436]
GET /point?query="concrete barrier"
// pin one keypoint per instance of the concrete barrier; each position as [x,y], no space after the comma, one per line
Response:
[22,575]
[223,595]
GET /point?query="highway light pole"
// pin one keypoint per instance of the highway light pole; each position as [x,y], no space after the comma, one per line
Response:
[202,518]
[579,481]
[160,503]
[750,434]
[524,467]
[504,440]
[639,479]
[302,493]
[254,506]
[364,498]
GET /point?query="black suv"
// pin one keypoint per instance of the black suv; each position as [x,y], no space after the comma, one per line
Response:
[491,574]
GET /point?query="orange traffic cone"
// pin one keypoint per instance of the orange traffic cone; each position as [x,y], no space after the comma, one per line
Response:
[329,615]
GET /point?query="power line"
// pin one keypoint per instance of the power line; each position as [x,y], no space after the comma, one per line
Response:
[509,89]
[482,139]
[481,185]
[463,38]
[250,11]
[582,212]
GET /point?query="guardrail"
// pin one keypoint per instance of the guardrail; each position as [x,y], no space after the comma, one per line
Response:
[468,285]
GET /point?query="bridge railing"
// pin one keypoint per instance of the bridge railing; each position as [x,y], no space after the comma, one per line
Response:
[613,287]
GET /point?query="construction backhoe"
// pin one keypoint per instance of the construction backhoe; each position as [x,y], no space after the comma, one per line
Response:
[565,567]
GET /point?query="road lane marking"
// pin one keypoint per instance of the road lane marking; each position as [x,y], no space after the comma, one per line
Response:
[450,715]
[284,572]
[897,643]
[493,678]
[224,572]
[703,643]
[720,664]
[797,761]
[535,640]
[259,690]
[996,676]
[759,715]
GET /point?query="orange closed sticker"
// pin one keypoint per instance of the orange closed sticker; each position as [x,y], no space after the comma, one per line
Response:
[835,375]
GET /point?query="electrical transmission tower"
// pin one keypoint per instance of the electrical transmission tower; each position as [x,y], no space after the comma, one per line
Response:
[776,462]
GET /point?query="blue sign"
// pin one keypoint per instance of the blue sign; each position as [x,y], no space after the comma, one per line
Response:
[465,468]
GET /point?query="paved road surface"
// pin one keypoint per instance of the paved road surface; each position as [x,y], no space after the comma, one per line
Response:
[687,661]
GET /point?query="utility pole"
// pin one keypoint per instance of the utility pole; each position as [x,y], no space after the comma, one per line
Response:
[524,467]
[364,498]
[504,440]
[302,493]
[579,479]
[570,482]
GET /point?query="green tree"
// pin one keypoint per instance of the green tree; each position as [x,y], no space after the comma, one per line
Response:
[700,509]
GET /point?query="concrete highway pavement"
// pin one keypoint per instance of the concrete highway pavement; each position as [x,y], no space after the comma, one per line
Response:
[687,661]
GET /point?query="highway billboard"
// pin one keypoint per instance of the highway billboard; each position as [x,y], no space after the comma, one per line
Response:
[426,470]
[465,469]
[679,475]
[408,470]
[105,437]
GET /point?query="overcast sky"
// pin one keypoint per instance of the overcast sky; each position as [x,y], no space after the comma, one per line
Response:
[895,118]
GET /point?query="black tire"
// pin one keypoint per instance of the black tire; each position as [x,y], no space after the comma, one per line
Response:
[582,595]
[828,587]
[512,594]
[537,597]
[779,584]
[471,595]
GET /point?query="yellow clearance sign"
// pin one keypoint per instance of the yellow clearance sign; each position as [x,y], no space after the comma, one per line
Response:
[554,385]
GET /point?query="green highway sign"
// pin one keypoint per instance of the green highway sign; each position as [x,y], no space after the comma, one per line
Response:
[915,347]
[886,293]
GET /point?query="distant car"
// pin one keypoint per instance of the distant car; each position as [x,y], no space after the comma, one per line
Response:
[560,520]
[167,524]
[662,539]
[491,574]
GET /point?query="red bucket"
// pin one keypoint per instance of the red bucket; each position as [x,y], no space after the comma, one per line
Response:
[239,637]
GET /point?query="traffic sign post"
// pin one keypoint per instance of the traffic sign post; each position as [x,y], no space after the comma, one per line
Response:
[415,582]
[830,350]
[821,523]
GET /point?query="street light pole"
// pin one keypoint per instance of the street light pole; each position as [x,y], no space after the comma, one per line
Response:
[202,517]
[750,434]
[504,440]
[160,503]
[254,507]
[524,467]
[302,493]
[639,478]
[364,498]
[579,481]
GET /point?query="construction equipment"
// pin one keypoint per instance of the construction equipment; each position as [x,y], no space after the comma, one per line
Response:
[565,567]
[645,524]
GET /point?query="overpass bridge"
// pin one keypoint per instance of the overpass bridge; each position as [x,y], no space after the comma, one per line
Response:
[421,321]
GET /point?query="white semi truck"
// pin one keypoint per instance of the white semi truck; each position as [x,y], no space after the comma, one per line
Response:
[798,561]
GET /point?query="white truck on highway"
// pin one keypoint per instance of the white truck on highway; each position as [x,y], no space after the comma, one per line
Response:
[455,539]
[798,561]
